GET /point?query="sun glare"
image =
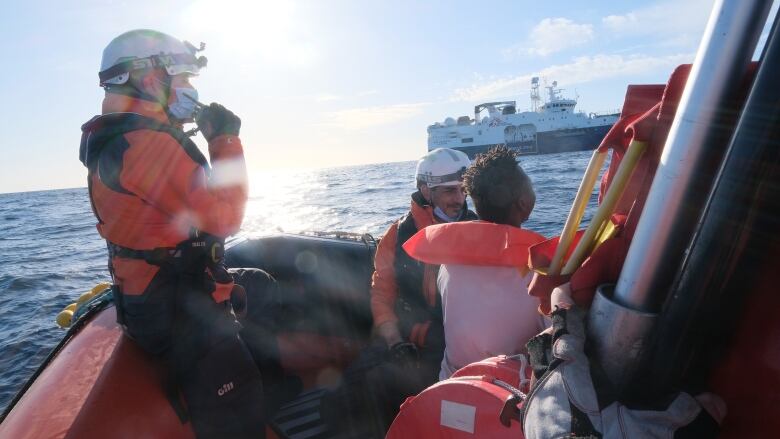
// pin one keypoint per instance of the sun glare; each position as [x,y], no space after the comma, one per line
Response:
[255,30]
[274,193]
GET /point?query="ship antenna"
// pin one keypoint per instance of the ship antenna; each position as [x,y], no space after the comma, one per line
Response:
[554,91]
[550,90]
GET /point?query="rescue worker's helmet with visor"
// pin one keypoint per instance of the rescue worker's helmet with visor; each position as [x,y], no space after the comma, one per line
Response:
[442,167]
[145,49]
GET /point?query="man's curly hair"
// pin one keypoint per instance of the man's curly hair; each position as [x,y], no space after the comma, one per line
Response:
[494,181]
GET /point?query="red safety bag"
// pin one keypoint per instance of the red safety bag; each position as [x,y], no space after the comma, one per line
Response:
[482,399]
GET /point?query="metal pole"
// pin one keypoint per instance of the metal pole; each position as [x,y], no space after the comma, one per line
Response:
[619,321]
[690,156]
[733,244]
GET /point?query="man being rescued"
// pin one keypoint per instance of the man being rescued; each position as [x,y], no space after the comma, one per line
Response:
[483,280]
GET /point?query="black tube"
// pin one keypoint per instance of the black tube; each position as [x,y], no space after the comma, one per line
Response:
[739,225]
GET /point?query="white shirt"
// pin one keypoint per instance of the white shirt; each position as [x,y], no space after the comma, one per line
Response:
[487,312]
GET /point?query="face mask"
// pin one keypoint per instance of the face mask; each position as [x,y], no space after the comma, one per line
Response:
[184,108]
[443,216]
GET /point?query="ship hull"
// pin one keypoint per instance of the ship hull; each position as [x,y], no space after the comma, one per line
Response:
[550,142]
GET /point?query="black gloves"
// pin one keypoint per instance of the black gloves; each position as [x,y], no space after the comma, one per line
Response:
[216,120]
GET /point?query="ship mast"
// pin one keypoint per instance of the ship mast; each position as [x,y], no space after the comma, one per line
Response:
[535,98]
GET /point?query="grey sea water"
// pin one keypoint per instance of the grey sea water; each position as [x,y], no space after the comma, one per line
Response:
[50,251]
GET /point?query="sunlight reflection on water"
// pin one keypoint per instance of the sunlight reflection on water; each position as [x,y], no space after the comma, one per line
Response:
[356,199]
[368,198]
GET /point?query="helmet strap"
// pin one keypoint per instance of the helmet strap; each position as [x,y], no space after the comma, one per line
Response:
[424,189]
[133,90]
[129,90]
[166,87]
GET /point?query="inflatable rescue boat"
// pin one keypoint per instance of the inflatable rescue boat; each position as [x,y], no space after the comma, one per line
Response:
[678,268]
[97,383]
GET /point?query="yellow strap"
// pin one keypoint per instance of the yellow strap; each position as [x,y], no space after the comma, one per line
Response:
[577,210]
[604,212]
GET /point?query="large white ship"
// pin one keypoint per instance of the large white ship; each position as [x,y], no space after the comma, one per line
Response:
[550,127]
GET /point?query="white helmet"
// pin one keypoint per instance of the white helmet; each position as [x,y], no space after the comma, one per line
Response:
[143,49]
[442,167]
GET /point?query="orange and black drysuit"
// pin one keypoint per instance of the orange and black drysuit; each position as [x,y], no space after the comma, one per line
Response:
[403,290]
[164,213]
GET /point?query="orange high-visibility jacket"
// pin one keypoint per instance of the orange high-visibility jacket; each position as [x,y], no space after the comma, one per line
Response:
[151,193]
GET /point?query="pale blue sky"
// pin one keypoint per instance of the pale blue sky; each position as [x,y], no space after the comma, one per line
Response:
[329,83]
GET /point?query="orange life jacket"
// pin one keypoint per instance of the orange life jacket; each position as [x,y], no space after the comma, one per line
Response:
[473,243]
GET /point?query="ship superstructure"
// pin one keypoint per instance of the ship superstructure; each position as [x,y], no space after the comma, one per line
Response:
[549,127]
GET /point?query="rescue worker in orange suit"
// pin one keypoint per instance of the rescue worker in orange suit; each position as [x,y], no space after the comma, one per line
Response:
[164,212]
[404,301]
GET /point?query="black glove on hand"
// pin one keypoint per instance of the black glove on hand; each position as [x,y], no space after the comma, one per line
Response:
[216,120]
